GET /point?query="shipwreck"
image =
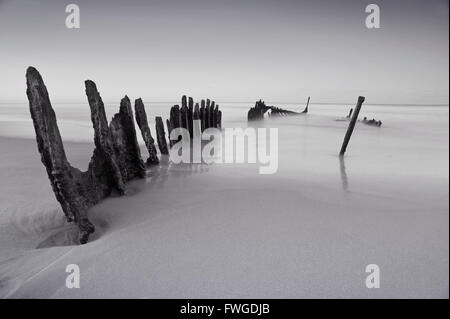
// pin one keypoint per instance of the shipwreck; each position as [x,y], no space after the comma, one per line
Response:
[116,159]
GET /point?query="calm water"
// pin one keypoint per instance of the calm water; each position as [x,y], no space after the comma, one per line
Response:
[75,123]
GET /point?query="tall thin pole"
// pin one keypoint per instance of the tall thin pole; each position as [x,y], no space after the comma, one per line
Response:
[351,126]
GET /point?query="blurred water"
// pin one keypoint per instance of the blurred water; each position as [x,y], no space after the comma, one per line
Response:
[411,144]
[315,223]
[75,123]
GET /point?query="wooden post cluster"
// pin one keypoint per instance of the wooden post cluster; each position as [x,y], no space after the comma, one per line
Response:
[116,159]
[257,112]
[365,120]
[207,113]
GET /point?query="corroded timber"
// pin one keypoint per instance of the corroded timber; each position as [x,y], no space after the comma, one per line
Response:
[141,120]
[175,117]
[196,114]
[257,112]
[191,115]
[115,159]
[215,116]
[351,125]
[219,119]
[202,115]
[126,146]
[169,129]
[104,146]
[184,115]
[208,115]
[63,177]
[161,136]
[350,113]
[307,105]
[211,114]
[365,120]
[371,122]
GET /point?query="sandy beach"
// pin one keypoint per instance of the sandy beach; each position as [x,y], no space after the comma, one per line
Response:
[225,231]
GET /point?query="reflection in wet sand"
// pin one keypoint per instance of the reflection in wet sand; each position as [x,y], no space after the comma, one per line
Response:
[344,178]
[158,175]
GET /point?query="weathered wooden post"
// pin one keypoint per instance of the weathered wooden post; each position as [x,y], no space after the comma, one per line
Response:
[351,126]
[161,135]
[216,112]
[219,119]
[185,119]
[350,113]
[184,113]
[141,120]
[175,116]
[196,114]
[115,161]
[307,104]
[180,117]
[126,145]
[202,115]
[207,114]
[184,116]
[191,116]
[169,129]
[211,114]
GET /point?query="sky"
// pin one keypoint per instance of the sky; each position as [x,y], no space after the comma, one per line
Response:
[229,50]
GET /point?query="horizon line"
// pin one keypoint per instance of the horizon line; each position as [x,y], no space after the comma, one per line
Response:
[241,101]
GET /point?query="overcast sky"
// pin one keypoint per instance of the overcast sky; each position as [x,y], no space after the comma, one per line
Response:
[281,50]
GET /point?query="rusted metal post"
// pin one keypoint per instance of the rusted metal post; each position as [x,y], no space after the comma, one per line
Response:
[351,126]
